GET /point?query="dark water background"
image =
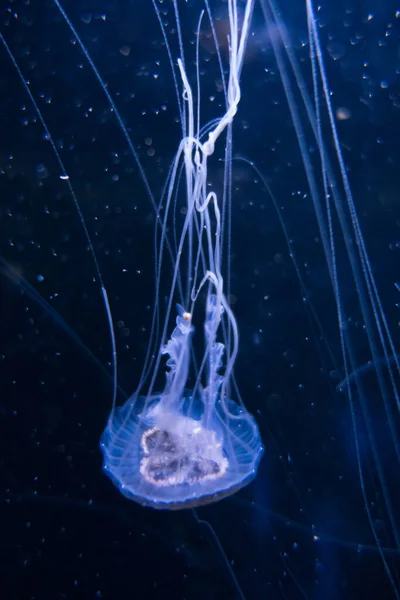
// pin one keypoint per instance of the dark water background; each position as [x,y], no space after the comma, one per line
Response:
[300,529]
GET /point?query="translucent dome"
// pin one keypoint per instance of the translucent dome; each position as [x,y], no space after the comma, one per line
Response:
[168,460]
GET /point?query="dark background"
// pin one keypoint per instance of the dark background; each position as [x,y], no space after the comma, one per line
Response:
[300,530]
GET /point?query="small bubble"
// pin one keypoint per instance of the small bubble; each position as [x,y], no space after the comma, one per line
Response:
[41,171]
[86,18]
[336,50]
[343,113]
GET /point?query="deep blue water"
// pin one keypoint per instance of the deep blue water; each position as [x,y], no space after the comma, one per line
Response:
[300,530]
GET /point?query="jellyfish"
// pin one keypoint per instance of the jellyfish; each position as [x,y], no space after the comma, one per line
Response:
[186,447]
[231,185]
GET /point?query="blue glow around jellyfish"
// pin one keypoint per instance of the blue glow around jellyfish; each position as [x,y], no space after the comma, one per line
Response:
[178,447]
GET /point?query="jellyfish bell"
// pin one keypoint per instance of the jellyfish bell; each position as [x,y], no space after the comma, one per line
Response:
[168,461]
